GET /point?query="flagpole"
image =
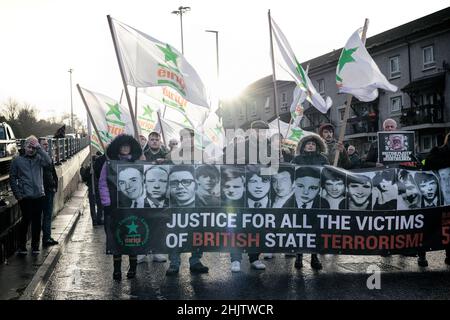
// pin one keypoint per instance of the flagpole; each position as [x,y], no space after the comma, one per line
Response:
[121,95]
[162,130]
[125,87]
[274,79]
[90,117]
[135,102]
[348,102]
[289,126]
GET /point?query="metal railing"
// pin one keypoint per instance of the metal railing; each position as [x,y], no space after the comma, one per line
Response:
[62,149]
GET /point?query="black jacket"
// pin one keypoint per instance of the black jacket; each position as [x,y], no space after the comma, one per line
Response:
[50,178]
[438,158]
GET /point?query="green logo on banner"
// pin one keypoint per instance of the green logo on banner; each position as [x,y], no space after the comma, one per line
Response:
[132,231]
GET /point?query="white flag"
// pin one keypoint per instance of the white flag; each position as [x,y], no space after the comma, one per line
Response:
[110,118]
[289,63]
[357,73]
[149,62]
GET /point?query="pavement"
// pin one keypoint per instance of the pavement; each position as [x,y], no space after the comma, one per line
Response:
[24,277]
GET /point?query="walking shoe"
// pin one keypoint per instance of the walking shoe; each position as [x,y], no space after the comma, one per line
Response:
[117,275]
[422,262]
[267,256]
[298,263]
[49,242]
[258,265]
[235,266]
[141,258]
[199,268]
[172,270]
[22,251]
[159,257]
[315,263]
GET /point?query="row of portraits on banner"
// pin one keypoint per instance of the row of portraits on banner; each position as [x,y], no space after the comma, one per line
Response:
[143,185]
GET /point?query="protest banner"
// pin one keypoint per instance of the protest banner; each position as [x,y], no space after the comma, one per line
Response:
[395,147]
[236,208]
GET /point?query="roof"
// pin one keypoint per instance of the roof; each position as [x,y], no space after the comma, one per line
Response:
[436,81]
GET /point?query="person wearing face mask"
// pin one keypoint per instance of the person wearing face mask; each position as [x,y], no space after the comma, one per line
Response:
[27,185]
[124,147]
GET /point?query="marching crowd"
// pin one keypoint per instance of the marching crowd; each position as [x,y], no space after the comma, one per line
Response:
[34,183]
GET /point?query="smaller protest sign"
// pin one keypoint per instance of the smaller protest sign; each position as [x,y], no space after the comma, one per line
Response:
[395,146]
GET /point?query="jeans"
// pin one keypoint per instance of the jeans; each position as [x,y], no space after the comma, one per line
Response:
[47,211]
[175,258]
[31,213]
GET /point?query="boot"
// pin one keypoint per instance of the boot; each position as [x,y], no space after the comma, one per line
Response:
[132,270]
[315,263]
[117,273]
[447,256]
[422,261]
[299,261]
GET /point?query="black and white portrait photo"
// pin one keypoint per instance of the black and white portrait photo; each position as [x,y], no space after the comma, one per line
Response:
[444,177]
[130,186]
[283,188]
[385,191]
[307,187]
[333,195]
[156,181]
[182,186]
[409,196]
[359,192]
[207,178]
[428,185]
[258,188]
[232,180]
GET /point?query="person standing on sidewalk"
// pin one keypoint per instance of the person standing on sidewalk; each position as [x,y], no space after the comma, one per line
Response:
[123,147]
[26,180]
[326,132]
[50,189]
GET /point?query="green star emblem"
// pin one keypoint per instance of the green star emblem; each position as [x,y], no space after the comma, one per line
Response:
[114,110]
[169,55]
[296,134]
[148,111]
[346,57]
[132,228]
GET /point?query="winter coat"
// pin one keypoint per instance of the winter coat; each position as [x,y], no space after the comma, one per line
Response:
[438,158]
[26,175]
[113,154]
[355,160]
[311,158]
[343,159]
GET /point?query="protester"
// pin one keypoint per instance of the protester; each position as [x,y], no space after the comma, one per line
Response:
[173,144]
[126,148]
[311,150]
[50,188]
[97,166]
[144,143]
[156,152]
[326,132]
[87,177]
[354,157]
[372,155]
[27,185]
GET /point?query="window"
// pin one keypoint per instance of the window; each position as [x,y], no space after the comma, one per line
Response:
[253,108]
[267,104]
[394,67]
[321,86]
[427,143]
[396,104]
[428,58]
[284,103]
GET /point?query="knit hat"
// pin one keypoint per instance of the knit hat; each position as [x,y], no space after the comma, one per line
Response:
[325,126]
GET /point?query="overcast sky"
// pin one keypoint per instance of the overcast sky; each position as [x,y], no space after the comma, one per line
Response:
[42,39]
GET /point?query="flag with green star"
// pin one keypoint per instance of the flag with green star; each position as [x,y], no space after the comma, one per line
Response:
[356,72]
[287,64]
[149,62]
[110,117]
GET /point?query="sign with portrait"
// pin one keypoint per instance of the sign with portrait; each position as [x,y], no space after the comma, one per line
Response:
[395,146]
[322,209]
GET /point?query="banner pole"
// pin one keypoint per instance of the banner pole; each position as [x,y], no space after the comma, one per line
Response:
[348,103]
[162,130]
[274,79]
[125,87]
[91,118]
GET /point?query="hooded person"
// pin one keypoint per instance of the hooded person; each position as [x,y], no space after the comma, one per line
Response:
[124,147]
[327,132]
[311,150]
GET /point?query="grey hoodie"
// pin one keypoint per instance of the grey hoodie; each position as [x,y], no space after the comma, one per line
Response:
[25,175]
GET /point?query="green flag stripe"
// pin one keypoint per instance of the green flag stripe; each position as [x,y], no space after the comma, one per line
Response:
[172,85]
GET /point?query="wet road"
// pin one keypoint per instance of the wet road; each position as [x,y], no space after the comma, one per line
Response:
[85,272]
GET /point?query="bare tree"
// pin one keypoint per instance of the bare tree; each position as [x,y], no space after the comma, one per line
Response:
[11,109]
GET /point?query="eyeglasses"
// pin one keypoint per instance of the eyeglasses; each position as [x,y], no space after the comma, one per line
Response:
[184,183]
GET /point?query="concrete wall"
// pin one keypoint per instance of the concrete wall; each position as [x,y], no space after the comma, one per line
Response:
[69,177]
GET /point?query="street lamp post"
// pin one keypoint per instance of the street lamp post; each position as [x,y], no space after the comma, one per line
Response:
[180,12]
[217,49]
[71,101]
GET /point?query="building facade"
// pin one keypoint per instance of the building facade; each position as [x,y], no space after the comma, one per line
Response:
[415,57]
